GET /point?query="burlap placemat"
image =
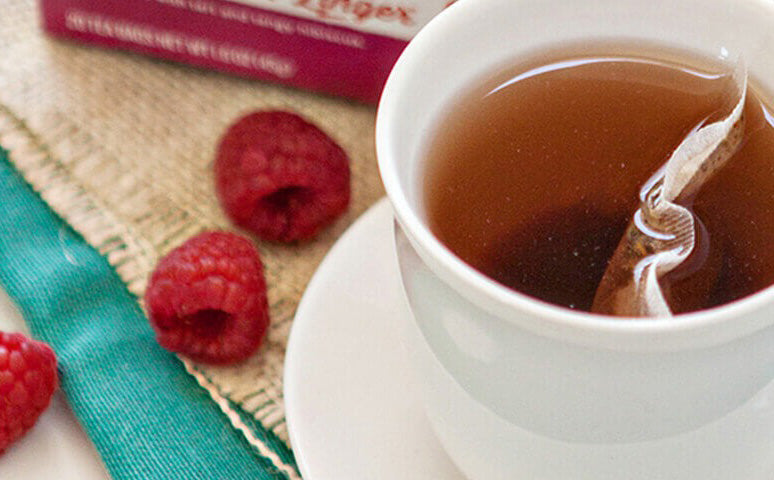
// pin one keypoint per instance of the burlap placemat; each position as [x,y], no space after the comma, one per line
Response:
[121,146]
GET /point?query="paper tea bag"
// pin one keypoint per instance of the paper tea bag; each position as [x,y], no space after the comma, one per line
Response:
[662,233]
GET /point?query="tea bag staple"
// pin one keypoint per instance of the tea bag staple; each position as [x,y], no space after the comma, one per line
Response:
[662,233]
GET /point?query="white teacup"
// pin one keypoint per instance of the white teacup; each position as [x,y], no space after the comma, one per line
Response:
[518,389]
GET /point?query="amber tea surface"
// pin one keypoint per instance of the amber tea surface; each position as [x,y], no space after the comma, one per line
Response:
[534,174]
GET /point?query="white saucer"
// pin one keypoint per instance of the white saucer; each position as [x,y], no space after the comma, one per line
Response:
[56,447]
[352,404]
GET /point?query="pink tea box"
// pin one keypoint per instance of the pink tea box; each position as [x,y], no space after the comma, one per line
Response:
[340,47]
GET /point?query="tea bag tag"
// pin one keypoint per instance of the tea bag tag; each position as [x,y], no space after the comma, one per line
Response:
[662,233]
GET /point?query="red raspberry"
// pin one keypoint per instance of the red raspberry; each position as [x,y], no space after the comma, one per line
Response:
[27,381]
[206,299]
[281,177]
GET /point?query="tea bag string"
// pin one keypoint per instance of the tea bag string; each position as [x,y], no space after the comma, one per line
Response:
[662,233]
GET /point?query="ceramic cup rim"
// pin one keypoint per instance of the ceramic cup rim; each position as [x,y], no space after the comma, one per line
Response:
[707,326]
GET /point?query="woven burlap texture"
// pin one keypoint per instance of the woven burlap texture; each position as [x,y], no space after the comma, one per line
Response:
[121,146]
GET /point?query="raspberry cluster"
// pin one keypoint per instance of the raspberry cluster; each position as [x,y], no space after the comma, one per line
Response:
[28,380]
[280,177]
[207,299]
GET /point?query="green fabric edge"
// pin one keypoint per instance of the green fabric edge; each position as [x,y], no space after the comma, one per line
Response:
[72,299]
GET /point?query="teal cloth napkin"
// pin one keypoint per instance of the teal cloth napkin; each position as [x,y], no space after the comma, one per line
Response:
[147,417]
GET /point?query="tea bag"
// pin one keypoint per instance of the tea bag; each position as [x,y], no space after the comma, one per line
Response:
[662,233]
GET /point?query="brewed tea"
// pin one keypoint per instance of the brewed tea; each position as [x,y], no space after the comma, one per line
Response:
[534,175]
